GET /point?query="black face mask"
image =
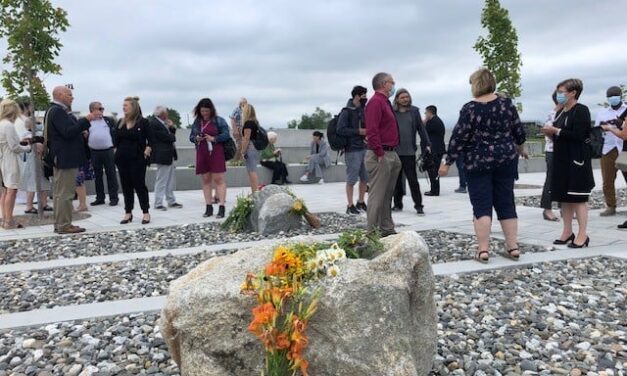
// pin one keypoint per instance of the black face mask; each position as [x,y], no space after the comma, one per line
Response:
[363,101]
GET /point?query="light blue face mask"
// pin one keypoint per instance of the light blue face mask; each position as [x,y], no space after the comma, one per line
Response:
[392,91]
[614,101]
[561,98]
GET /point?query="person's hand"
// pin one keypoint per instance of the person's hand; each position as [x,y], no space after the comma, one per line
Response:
[443,171]
[39,149]
[522,151]
[606,127]
[548,130]
[169,123]
[90,117]
[147,152]
[362,131]
[277,152]
[379,159]
[308,157]
[428,149]
[209,138]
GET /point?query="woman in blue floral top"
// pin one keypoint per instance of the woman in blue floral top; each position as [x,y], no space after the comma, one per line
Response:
[490,137]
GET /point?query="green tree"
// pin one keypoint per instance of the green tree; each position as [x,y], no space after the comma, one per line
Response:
[499,49]
[30,28]
[175,117]
[317,120]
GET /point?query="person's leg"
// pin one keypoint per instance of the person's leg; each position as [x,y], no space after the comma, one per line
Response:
[363,187]
[139,186]
[568,211]
[30,198]
[581,210]
[459,163]
[409,169]
[207,188]
[480,193]
[112,178]
[64,186]
[434,179]
[352,161]
[161,182]
[126,180]
[397,194]
[393,163]
[220,183]
[482,227]
[378,173]
[545,201]
[363,179]
[254,181]
[97,161]
[505,205]
[608,172]
[8,205]
[81,192]
[349,194]
[170,186]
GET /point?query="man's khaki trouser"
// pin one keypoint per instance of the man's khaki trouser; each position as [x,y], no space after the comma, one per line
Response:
[608,171]
[64,187]
[381,181]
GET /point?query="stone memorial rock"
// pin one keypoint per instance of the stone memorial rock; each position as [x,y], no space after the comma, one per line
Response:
[271,213]
[378,317]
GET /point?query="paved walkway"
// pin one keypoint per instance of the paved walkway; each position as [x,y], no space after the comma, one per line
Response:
[449,212]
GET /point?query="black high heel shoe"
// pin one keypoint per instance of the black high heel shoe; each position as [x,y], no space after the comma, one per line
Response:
[568,240]
[575,245]
[145,221]
[127,220]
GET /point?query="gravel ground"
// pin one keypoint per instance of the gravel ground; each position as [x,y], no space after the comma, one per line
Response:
[452,246]
[25,291]
[123,241]
[550,319]
[597,201]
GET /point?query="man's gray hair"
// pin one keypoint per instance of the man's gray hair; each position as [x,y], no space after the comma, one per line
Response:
[94,106]
[379,79]
[160,110]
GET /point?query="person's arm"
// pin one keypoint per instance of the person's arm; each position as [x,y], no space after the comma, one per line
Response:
[374,112]
[324,149]
[425,142]
[65,126]
[620,133]
[147,138]
[223,130]
[13,140]
[245,140]
[344,125]
[459,138]
[194,132]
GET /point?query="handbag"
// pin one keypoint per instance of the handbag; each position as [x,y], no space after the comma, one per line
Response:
[621,161]
[229,149]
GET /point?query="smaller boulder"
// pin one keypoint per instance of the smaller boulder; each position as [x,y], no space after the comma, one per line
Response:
[272,211]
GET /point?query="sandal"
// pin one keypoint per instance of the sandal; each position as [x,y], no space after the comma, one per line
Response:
[509,255]
[31,211]
[48,208]
[12,225]
[481,259]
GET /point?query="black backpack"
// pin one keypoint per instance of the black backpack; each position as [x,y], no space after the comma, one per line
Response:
[336,142]
[595,142]
[261,141]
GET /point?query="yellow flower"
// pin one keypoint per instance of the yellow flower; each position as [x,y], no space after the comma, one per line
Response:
[298,205]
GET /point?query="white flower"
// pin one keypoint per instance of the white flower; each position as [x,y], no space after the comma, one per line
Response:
[333,271]
[341,254]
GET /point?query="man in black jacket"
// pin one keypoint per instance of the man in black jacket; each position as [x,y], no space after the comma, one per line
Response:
[100,142]
[350,125]
[164,155]
[64,136]
[435,131]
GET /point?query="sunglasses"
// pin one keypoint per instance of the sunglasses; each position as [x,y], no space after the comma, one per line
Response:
[101,109]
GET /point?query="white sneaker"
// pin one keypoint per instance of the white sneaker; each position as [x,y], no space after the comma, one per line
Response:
[321,181]
[304,178]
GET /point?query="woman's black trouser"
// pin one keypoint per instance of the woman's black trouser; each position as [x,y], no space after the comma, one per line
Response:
[133,180]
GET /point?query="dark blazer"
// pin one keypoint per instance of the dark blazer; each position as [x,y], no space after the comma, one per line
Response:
[435,131]
[163,138]
[65,138]
[142,127]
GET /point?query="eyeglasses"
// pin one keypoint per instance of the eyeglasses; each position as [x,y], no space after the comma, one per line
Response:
[101,109]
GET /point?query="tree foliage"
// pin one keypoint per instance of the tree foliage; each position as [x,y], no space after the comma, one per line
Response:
[499,49]
[175,117]
[317,120]
[31,29]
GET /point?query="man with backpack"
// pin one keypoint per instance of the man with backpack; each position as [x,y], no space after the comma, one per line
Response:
[351,127]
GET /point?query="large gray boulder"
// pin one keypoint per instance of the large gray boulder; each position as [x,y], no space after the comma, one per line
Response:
[271,213]
[378,317]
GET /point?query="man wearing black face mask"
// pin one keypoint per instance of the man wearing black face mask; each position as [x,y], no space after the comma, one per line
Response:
[350,125]
[612,146]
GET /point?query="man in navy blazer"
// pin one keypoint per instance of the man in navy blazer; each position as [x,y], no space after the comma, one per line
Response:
[64,137]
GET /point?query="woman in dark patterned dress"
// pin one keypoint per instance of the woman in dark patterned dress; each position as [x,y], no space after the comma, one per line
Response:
[490,137]
[572,179]
[209,132]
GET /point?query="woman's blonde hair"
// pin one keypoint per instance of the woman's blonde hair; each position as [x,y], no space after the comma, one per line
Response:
[249,114]
[135,114]
[9,110]
[482,82]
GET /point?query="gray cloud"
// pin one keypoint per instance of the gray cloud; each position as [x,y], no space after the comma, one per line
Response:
[288,57]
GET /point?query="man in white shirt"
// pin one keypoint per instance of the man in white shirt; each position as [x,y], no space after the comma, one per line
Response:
[100,143]
[612,146]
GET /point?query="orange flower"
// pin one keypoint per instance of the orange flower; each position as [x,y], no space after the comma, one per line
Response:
[262,315]
[282,341]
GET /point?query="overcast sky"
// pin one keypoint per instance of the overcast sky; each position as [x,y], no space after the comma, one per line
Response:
[287,57]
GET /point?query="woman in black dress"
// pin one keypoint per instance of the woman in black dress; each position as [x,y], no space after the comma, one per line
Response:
[572,179]
[132,149]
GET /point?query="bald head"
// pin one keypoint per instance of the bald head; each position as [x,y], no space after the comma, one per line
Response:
[63,95]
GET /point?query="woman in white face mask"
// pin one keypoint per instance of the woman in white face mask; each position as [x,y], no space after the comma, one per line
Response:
[572,169]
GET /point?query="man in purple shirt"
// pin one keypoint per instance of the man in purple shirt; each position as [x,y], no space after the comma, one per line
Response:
[382,162]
